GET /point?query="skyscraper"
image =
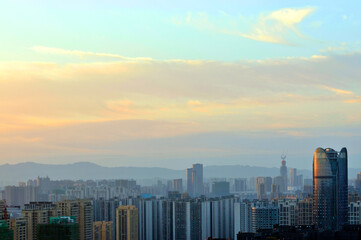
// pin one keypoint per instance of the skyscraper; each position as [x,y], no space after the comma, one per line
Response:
[283,173]
[293,177]
[195,180]
[198,179]
[330,183]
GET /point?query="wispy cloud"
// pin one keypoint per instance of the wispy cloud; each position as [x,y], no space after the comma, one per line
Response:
[338,91]
[83,54]
[273,27]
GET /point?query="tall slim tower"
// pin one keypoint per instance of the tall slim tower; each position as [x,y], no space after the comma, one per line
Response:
[190,189]
[283,173]
[195,180]
[198,179]
[293,177]
[330,188]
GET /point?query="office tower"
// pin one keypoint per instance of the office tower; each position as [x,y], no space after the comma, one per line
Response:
[287,211]
[283,173]
[293,177]
[264,216]
[220,188]
[304,212]
[198,179]
[5,232]
[127,223]
[190,189]
[18,225]
[330,187]
[177,185]
[102,230]
[82,211]
[36,213]
[358,182]
[240,184]
[354,213]
[195,180]
[58,228]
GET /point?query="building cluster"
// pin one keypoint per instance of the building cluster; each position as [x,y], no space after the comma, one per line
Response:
[44,189]
[256,208]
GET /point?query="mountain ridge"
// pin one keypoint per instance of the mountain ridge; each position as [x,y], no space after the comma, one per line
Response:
[11,174]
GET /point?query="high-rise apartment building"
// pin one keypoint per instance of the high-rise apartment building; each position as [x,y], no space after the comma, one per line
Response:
[304,212]
[5,232]
[58,228]
[20,195]
[242,218]
[330,188]
[3,210]
[36,213]
[287,211]
[240,184]
[358,182]
[354,213]
[102,230]
[264,216]
[82,211]
[18,225]
[126,223]
[105,210]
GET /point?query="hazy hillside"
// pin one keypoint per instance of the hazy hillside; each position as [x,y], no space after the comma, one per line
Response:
[11,174]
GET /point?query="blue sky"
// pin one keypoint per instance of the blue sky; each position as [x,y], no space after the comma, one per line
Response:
[163,78]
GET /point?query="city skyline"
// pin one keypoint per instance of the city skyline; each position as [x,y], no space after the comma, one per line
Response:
[158,84]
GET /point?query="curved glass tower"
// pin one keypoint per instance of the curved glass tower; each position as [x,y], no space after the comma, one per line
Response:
[330,188]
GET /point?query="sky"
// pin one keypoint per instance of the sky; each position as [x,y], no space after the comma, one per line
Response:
[169,83]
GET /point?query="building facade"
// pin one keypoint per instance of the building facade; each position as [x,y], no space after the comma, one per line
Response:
[330,188]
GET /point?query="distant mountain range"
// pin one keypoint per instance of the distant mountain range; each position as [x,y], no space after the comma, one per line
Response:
[12,174]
